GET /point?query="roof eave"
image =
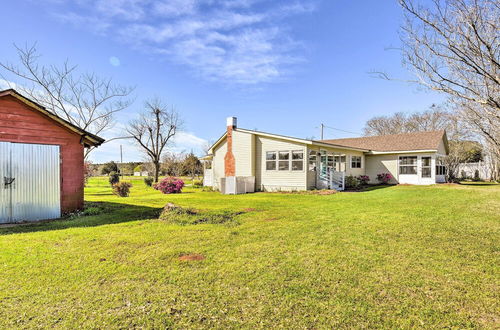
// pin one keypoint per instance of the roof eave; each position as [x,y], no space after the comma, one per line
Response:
[94,140]
[373,152]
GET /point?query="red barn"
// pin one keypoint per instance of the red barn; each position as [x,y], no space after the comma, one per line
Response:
[41,161]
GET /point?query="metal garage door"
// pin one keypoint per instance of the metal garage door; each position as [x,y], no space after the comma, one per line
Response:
[30,182]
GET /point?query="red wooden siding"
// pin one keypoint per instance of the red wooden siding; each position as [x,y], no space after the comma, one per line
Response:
[19,123]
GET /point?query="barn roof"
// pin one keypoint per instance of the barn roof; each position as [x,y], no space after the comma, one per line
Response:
[89,139]
[429,140]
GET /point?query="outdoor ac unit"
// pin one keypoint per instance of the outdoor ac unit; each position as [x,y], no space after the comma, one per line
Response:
[233,185]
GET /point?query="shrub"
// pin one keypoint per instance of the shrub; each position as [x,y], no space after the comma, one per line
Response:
[91,211]
[114,178]
[169,185]
[384,178]
[188,216]
[351,182]
[122,189]
[148,181]
[197,183]
[476,176]
[364,179]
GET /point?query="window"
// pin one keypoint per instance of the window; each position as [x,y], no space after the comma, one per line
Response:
[271,160]
[297,160]
[312,160]
[355,161]
[440,168]
[426,167]
[408,165]
[284,161]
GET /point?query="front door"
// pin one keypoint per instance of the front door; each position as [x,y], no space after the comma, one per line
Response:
[30,182]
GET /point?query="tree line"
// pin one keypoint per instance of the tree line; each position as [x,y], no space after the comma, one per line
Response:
[171,164]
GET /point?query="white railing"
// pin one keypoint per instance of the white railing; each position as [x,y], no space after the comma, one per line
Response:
[332,180]
[337,180]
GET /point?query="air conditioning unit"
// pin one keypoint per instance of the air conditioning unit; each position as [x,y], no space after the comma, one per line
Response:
[233,185]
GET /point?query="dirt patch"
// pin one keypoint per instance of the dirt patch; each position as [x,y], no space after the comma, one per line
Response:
[272,219]
[249,209]
[191,257]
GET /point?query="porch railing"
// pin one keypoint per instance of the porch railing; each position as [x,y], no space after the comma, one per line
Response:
[333,179]
[337,180]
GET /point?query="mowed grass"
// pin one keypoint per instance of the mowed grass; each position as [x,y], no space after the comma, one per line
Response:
[393,257]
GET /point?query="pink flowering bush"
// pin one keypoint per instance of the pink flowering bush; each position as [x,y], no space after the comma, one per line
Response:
[169,185]
[384,178]
[364,179]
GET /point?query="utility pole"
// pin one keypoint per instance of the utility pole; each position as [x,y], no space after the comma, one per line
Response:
[121,160]
[322,127]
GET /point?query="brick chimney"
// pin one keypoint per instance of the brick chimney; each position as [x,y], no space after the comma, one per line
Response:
[229,161]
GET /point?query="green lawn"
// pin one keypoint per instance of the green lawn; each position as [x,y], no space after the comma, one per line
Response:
[392,257]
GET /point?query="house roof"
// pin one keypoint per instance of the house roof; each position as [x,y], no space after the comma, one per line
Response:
[88,138]
[287,138]
[429,140]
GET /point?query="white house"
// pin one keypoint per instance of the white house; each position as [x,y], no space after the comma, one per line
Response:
[277,162]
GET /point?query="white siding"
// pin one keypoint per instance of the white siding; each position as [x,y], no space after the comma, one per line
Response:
[244,151]
[278,180]
[218,163]
[441,148]
[377,164]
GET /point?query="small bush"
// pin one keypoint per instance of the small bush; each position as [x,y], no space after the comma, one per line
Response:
[114,178]
[91,211]
[122,189]
[476,176]
[197,183]
[169,185]
[351,182]
[148,181]
[364,179]
[187,216]
[384,178]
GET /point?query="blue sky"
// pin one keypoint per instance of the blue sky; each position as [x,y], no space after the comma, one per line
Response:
[279,66]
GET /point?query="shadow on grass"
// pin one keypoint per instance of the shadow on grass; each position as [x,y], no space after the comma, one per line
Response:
[369,188]
[109,213]
[478,183]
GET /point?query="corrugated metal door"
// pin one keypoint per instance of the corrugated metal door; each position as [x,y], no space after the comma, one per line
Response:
[31,183]
[5,192]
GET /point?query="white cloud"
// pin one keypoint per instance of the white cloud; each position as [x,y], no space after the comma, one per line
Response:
[6,84]
[171,8]
[234,41]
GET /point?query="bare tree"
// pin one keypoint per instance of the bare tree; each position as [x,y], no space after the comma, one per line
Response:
[85,100]
[431,120]
[453,47]
[154,130]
